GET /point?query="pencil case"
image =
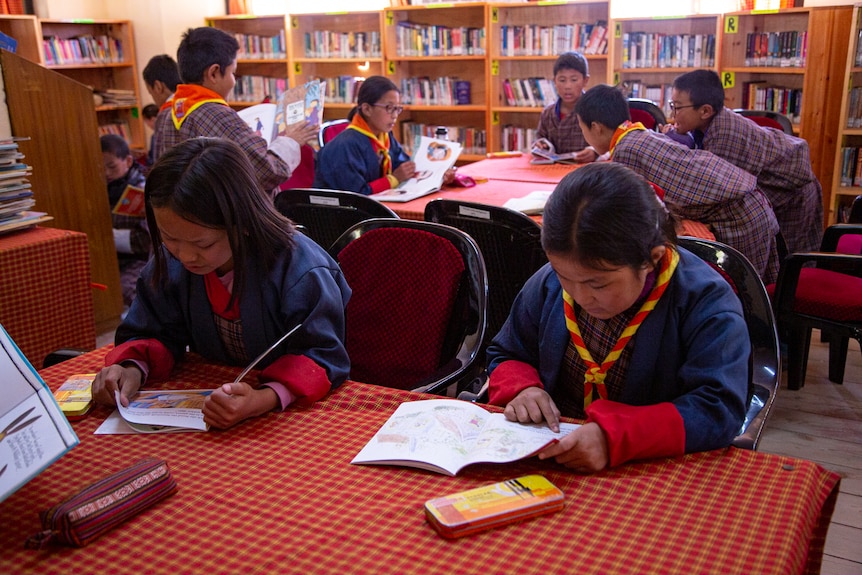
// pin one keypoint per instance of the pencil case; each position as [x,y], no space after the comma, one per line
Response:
[97,509]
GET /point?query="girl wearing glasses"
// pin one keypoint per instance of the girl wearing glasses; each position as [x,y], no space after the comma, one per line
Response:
[366,158]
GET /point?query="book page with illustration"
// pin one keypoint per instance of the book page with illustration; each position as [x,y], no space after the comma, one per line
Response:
[432,157]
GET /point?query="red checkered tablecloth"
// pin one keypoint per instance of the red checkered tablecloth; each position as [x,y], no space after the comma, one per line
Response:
[277,494]
[45,297]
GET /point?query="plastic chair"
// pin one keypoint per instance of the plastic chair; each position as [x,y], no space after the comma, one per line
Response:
[326,214]
[647,113]
[827,297]
[764,372]
[330,129]
[768,119]
[511,246]
[416,317]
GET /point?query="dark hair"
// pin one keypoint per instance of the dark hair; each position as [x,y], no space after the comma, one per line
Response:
[150,111]
[211,182]
[605,214]
[603,104]
[572,61]
[370,92]
[202,47]
[703,87]
[164,69]
[115,145]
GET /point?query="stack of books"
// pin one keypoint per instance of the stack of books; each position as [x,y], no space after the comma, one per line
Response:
[16,197]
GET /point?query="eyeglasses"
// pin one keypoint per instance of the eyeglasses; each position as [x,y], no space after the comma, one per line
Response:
[673,107]
[390,109]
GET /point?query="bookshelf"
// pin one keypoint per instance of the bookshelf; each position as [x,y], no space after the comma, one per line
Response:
[847,178]
[99,54]
[262,65]
[524,40]
[647,54]
[426,50]
[27,32]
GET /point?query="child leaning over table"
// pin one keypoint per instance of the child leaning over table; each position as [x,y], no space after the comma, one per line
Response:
[623,328]
[229,278]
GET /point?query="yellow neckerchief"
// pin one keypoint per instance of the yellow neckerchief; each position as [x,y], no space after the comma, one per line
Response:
[187,98]
[624,129]
[380,143]
[595,374]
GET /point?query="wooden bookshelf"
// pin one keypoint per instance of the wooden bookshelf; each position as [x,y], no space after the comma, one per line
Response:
[849,129]
[27,32]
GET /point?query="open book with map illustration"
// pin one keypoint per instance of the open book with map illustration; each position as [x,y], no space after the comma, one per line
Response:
[446,435]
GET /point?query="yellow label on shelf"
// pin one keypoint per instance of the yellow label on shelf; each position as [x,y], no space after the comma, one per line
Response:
[297,67]
[616,78]
[495,15]
[390,18]
[551,2]
[731,25]
[495,68]
[770,11]
[495,119]
[618,30]
[294,22]
[390,68]
[728,80]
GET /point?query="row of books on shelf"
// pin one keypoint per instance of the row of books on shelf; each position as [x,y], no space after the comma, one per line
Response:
[255,47]
[257,88]
[787,101]
[532,92]
[535,40]
[854,108]
[857,61]
[328,44]
[85,49]
[472,140]
[442,91]
[851,166]
[660,94]
[777,49]
[119,127]
[117,97]
[517,138]
[342,89]
[16,194]
[654,50]
[413,40]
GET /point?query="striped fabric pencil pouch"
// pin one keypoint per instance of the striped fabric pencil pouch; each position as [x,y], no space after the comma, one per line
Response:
[105,504]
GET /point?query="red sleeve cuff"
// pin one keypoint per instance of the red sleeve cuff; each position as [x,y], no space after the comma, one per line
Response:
[150,352]
[380,185]
[639,431]
[305,380]
[509,379]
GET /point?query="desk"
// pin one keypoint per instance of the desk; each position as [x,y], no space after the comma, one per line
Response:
[517,169]
[492,192]
[45,296]
[277,494]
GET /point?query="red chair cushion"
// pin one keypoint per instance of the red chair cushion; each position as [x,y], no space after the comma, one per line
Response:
[643,117]
[827,294]
[766,122]
[850,244]
[303,175]
[404,283]
[333,130]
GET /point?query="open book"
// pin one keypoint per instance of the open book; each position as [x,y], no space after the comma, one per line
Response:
[432,157]
[158,411]
[533,204]
[543,153]
[300,103]
[446,435]
[33,431]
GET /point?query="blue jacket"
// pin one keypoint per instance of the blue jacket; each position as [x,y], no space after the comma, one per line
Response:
[350,163]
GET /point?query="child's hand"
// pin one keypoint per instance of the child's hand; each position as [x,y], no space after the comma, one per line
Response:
[541,143]
[449,176]
[534,405]
[302,132]
[116,377]
[665,128]
[586,155]
[585,449]
[405,171]
[234,402]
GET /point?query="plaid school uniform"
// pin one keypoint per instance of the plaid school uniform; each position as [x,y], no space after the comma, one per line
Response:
[782,166]
[707,189]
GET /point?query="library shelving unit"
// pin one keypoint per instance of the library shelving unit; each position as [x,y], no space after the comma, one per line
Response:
[427,50]
[340,48]
[99,54]
[27,32]
[523,42]
[647,54]
[262,65]
[847,178]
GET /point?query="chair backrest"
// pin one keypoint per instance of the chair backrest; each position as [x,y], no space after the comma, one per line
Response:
[326,214]
[764,362]
[511,246]
[303,175]
[855,216]
[330,129]
[416,317]
[646,112]
[768,119]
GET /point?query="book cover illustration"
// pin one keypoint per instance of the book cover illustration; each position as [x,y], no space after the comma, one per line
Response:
[158,411]
[432,157]
[300,103]
[75,395]
[131,203]
[261,119]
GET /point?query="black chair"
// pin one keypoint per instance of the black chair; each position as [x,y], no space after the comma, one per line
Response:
[416,317]
[326,214]
[511,246]
[330,129]
[646,112]
[768,119]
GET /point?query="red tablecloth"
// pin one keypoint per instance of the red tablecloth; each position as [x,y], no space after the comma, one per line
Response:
[492,192]
[45,296]
[277,494]
[518,169]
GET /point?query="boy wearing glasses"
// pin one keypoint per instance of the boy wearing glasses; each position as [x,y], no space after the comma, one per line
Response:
[702,186]
[780,162]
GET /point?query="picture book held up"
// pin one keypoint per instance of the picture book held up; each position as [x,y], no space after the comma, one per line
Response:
[294,105]
[432,157]
[446,435]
